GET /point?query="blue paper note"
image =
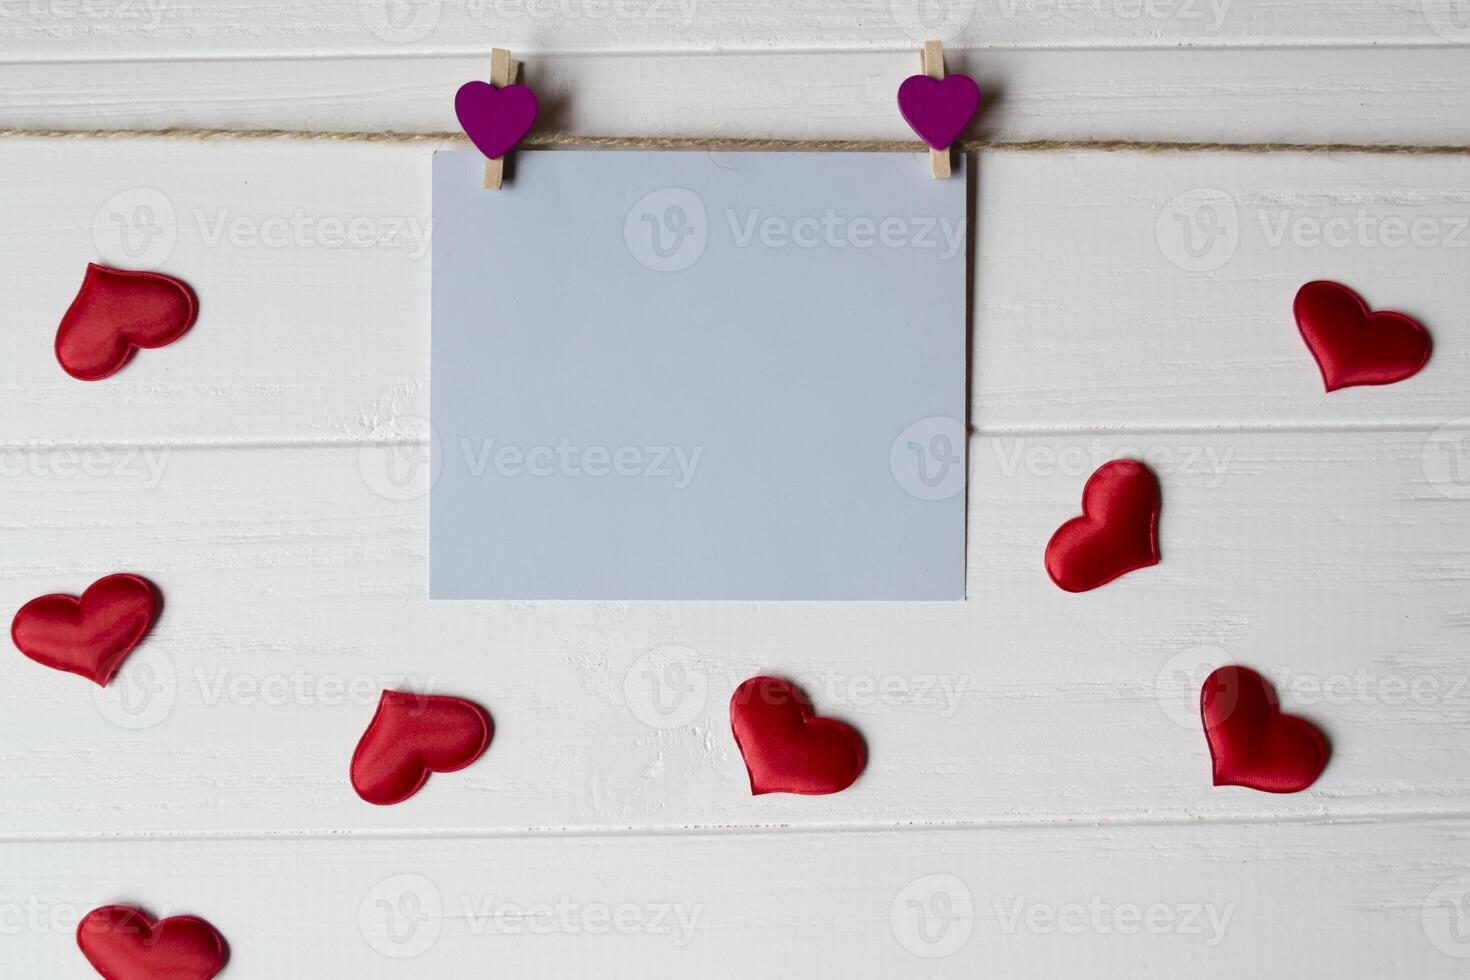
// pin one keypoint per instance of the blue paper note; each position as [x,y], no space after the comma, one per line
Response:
[688,375]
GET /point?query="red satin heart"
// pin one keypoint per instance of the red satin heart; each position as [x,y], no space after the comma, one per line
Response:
[1117,532]
[1353,346]
[89,636]
[412,735]
[117,311]
[786,748]
[1251,742]
[124,944]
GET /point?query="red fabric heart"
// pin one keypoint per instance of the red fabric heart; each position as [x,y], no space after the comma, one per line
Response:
[1353,346]
[117,311]
[89,636]
[786,748]
[124,944]
[412,735]
[1251,742]
[1117,532]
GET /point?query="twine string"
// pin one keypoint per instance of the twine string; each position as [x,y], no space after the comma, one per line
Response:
[569,140]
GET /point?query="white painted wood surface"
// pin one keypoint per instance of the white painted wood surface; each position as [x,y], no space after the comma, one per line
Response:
[306,337]
[284,619]
[153,28]
[1199,900]
[1038,747]
[1363,95]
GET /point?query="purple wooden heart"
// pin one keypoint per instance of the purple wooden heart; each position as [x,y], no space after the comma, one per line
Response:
[938,110]
[494,118]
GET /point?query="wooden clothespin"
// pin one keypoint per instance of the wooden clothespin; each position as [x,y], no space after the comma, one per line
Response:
[496,116]
[933,62]
[938,107]
[503,71]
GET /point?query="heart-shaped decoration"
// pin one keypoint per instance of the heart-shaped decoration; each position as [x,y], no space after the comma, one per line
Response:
[89,636]
[938,109]
[117,311]
[493,118]
[1251,742]
[1353,346]
[412,735]
[787,749]
[1117,532]
[124,944]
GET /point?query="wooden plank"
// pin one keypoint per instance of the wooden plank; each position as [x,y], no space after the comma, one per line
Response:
[295,589]
[1134,291]
[311,263]
[1378,94]
[1204,901]
[201,28]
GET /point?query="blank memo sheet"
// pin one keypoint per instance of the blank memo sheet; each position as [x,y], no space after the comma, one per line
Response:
[693,375]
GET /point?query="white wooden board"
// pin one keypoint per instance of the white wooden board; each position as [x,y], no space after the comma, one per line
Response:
[1366,95]
[1111,289]
[204,28]
[295,592]
[1038,747]
[1204,901]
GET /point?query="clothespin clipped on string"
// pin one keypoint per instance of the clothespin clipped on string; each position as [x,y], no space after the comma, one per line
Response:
[938,107]
[497,115]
